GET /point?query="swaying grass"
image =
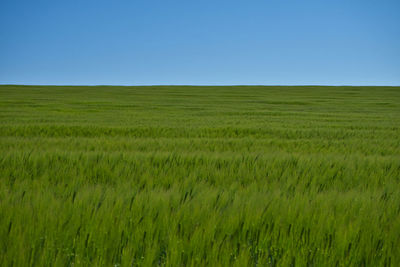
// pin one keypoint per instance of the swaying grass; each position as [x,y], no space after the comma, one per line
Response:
[199,176]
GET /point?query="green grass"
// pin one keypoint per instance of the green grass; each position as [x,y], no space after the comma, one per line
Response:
[199,176]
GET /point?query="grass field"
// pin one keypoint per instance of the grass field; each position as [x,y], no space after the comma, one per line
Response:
[199,176]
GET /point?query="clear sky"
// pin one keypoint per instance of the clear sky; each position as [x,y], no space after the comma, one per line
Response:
[213,42]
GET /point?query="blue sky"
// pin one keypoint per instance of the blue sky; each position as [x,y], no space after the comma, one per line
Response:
[200,42]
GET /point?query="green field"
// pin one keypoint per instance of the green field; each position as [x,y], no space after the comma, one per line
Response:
[199,176]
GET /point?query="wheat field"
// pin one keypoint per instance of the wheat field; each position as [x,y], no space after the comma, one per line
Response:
[199,176]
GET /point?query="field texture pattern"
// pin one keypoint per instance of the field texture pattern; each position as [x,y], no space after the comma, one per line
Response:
[199,176]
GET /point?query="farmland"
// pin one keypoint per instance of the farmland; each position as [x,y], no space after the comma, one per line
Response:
[199,176]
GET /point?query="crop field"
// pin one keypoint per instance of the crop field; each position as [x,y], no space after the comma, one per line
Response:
[199,176]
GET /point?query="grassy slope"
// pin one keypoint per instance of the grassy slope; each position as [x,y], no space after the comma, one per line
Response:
[199,176]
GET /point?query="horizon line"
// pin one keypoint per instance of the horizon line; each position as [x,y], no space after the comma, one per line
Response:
[199,85]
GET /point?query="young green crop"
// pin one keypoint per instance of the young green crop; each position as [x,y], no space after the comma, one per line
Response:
[199,176]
